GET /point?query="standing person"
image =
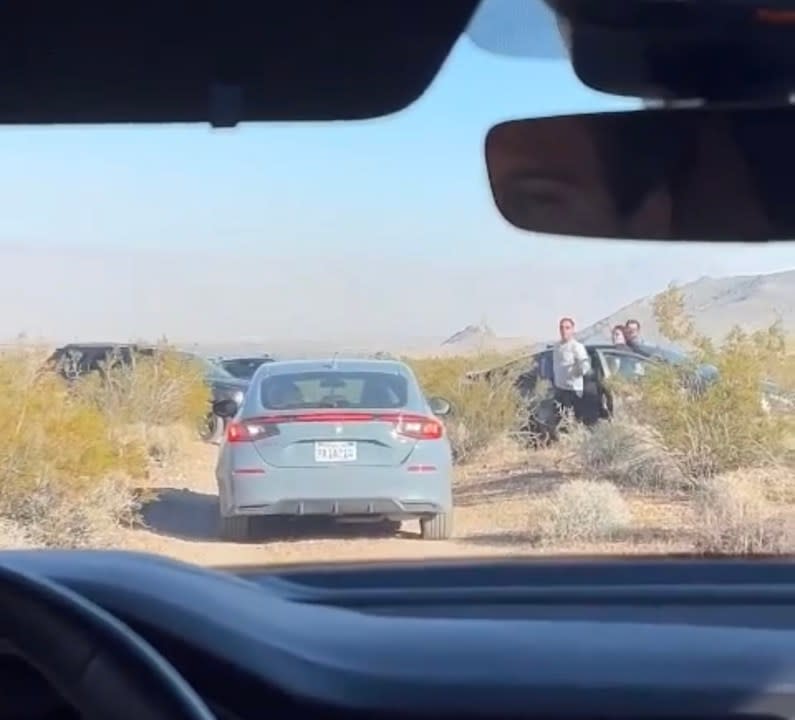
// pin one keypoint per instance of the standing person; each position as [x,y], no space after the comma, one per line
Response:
[570,364]
[632,333]
[619,335]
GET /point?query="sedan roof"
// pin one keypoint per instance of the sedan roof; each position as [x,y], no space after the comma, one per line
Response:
[281,367]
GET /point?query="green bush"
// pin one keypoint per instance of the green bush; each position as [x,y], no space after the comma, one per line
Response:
[70,454]
[483,411]
[727,425]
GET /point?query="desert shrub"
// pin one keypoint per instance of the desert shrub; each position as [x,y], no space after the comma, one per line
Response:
[57,451]
[70,453]
[628,454]
[726,425]
[584,511]
[165,389]
[777,482]
[735,517]
[483,411]
[50,514]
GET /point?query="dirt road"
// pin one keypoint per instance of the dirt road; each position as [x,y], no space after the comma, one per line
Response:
[495,507]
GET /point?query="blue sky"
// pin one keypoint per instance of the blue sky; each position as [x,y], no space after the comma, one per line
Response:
[381,228]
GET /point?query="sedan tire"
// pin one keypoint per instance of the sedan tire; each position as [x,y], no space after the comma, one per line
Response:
[438,527]
[211,429]
[237,528]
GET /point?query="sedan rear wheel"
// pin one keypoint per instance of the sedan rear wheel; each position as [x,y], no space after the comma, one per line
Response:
[211,429]
[438,527]
[237,528]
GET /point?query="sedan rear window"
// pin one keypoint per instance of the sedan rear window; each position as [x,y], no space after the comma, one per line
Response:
[334,389]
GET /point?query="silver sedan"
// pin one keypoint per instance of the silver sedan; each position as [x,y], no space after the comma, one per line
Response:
[352,439]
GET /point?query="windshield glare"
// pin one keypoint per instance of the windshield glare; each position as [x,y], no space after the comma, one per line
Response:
[379,241]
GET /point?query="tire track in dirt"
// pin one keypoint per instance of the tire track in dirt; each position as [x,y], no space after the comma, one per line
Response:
[493,516]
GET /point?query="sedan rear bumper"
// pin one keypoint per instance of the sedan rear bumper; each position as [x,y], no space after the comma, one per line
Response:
[337,492]
[344,507]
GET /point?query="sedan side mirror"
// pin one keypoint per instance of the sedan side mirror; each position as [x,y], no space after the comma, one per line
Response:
[226,408]
[440,406]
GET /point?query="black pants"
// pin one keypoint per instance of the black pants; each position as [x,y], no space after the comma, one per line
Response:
[569,400]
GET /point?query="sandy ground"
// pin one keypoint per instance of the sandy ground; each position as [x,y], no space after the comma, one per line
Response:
[494,512]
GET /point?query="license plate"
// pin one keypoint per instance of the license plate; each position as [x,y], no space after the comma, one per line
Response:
[335,452]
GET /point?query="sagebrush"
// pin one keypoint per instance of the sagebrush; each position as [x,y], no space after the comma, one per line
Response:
[727,424]
[71,452]
[483,411]
[716,432]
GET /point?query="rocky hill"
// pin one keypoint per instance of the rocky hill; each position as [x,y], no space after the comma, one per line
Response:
[716,305]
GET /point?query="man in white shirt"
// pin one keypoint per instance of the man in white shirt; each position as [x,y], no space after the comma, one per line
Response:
[570,364]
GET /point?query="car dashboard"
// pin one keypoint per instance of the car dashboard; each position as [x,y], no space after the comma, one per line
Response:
[637,639]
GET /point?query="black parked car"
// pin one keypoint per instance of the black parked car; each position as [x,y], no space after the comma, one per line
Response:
[76,359]
[607,361]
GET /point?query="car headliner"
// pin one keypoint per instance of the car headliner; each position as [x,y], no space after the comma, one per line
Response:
[91,61]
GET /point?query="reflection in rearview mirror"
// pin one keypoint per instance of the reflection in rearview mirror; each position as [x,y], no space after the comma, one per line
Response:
[673,174]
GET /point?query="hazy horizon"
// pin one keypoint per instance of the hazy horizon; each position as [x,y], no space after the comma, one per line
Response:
[539,329]
[381,232]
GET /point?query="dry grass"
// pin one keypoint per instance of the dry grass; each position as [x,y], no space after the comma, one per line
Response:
[584,511]
[676,470]
[710,466]
[626,453]
[70,454]
[162,390]
[719,446]
[735,517]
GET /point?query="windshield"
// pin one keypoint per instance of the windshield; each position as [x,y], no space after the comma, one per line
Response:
[368,240]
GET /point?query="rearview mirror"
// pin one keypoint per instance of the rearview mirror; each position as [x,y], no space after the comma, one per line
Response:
[226,408]
[661,174]
[439,406]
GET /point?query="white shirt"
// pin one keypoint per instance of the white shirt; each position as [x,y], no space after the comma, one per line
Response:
[570,362]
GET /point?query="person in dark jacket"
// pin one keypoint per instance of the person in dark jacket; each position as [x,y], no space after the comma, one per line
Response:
[632,333]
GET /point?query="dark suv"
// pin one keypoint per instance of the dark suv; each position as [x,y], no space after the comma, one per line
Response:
[76,359]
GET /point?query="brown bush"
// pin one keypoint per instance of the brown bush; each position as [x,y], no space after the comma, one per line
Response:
[626,453]
[584,511]
[165,389]
[735,517]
